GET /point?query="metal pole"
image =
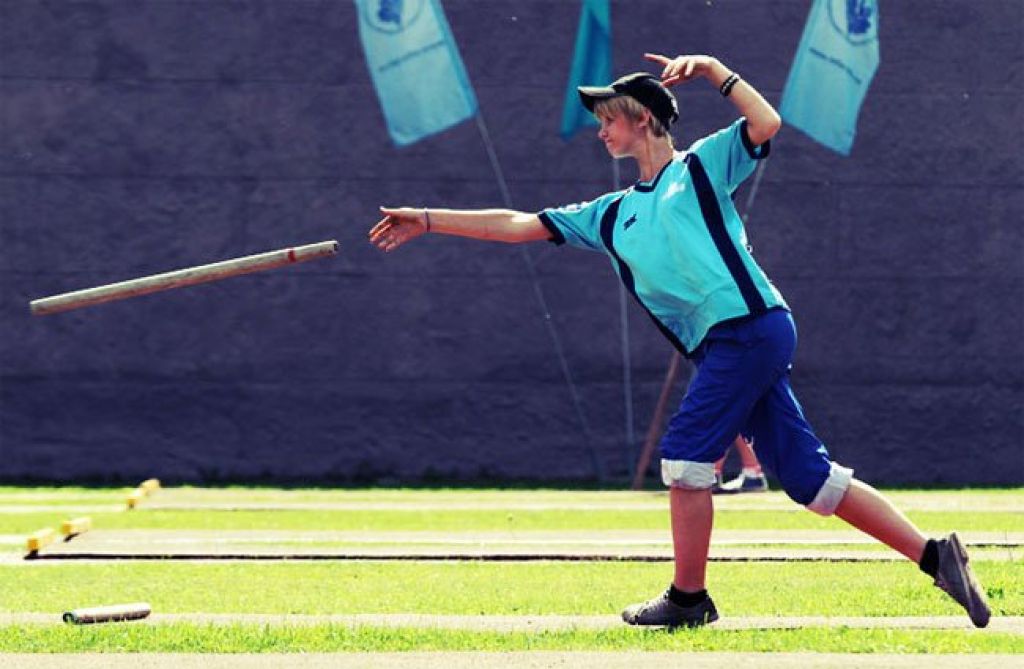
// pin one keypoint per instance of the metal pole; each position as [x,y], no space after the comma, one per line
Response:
[753,189]
[627,361]
[542,301]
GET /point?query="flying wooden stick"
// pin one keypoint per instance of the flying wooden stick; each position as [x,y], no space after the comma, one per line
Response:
[107,614]
[182,277]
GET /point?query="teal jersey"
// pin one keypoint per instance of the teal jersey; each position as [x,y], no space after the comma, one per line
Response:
[677,242]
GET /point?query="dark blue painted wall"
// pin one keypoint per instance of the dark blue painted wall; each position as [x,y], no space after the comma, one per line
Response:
[143,136]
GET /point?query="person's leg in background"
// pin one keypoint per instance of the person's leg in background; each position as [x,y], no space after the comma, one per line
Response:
[750,479]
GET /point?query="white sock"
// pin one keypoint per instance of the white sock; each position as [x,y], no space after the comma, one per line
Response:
[752,473]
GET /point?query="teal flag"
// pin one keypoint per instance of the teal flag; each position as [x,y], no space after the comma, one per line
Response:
[591,63]
[834,64]
[415,66]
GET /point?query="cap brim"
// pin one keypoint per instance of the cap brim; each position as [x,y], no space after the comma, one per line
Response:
[589,95]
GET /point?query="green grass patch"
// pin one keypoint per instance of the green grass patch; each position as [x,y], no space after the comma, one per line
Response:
[478,588]
[185,638]
[470,588]
[477,521]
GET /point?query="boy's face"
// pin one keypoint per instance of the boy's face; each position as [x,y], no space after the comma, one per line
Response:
[621,134]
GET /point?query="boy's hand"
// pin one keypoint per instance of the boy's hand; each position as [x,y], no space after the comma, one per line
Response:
[682,69]
[397,227]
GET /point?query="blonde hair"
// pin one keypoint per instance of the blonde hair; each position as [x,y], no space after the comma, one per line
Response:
[631,109]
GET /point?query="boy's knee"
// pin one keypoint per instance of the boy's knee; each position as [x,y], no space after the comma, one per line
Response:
[687,474]
[831,492]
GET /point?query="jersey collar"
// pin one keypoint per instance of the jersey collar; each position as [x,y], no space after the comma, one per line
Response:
[648,186]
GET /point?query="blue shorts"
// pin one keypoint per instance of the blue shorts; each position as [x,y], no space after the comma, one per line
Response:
[742,386]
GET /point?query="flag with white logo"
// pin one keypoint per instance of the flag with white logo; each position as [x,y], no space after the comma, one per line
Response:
[415,66]
[834,64]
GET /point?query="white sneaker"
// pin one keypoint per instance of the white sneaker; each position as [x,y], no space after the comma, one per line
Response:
[745,482]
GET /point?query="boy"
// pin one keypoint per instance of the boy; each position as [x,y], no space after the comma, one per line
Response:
[678,244]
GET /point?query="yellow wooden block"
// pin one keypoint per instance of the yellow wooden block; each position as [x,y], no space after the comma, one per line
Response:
[150,486]
[76,526]
[41,538]
[136,497]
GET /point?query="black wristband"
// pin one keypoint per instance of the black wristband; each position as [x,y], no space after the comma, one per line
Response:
[727,85]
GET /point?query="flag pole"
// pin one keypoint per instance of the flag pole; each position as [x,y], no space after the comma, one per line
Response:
[753,190]
[627,361]
[542,301]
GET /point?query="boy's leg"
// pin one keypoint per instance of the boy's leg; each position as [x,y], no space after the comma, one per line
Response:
[788,447]
[686,603]
[945,560]
[866,509]
[692,517]
[740,363]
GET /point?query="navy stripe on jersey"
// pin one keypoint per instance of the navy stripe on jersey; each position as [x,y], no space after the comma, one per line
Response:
[748,144]
[642,187]
[607,234]
[716,226]
[557,238]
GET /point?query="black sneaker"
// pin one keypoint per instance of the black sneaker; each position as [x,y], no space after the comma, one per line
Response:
[662,611]
[956,579]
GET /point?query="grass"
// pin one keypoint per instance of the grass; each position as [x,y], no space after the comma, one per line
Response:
[470,588]
[477,588]
[185,638]
[473,510]
[485,520]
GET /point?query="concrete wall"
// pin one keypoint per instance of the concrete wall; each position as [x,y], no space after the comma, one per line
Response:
[142,136]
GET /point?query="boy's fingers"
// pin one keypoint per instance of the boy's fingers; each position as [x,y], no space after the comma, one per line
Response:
[657,58]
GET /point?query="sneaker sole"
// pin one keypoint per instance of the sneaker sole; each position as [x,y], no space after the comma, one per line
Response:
[977,607]
[690,624]
[710,617]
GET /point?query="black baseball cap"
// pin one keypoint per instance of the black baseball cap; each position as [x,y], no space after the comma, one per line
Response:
[643,87]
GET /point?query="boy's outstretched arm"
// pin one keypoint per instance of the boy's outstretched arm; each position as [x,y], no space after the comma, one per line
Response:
[762,119]
[403,224]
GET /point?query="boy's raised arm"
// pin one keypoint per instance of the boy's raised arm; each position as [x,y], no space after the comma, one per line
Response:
[762,119]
